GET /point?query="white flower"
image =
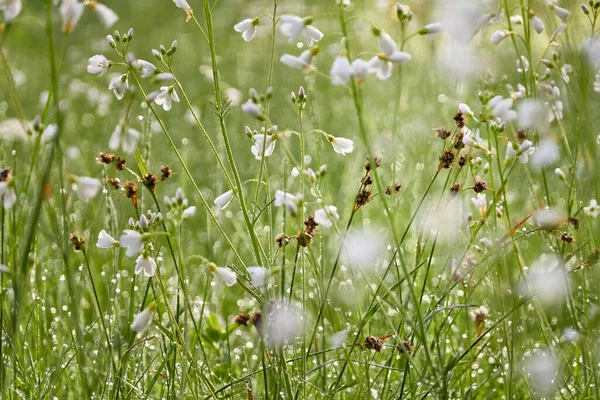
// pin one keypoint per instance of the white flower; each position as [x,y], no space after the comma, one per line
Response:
[470,137]
[259,144]
[223,200]
[363,249]
[499,36]
[259,276]
[142,321]
[233,95]
[148,68]
[166,97]
[284,322]
[188,212]
[287,200]
[533,114]
[119,86]
[338,338]
[381,64]
[251,108]
[8,195]
[126,142]
[98,65]
[49,133]
[480,202]
[549,219]
[224,274]
[360,69]
[87,188]
[341,70]
[304,61]
[247,27]
[560,12]
[182,4]
[326,215]
[516,20]
[548,280]
[501,108]
[547,153]
[3,269]
[523,151]
[107,16]
[434,27]
[70,11]
[465,109]
[537,24]
[132,241]
[145,264]
[592,209]
[341,145]
[11,9]
[293,26]
[105,240]
[541,369]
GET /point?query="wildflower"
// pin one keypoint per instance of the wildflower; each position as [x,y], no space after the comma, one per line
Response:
[293,26]
[146,264]
[523,151]
[125,141]
[186,7]
[70,11]
[142,320]
[132,241]
[548,280]
[341,70]
[381,64]
[259,145]
[284,322]
[247,27]
[287,200]
[7,193]
[3,269]
[224,274]
[533,114]
[49,133]
[224,199]
[119,86]
[360,69]
[465,109]
[98,65]
[326,215]
[480,202]
[470,137]
[549,219]
[432,28]
[166,97]
[148,69]
[560,12]
[363,248]
[537,24]
[341,145]
[547,153]
[259,276]
[541,370]
[501,108]
[105,240]
[10,8]
[303,62]
[252,109]
[107,16]
[499,36]
[565,70]
[516,20]
[338,338]
[87,188]
[592,209]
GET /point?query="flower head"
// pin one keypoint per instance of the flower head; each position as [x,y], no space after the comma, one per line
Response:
[499,36]
[87,188]
[224,274]
[10,8]
[126,141]
[148,69]
[106,241]
[247,27]
[119,86]
[259,276]
[98,65]
[70,11]
[166,97]
[224,199]
[259,145]
[293,26]
[341,70]
[142,320]
[132,241]
[592,209]
[287,200]
[341,145]
[107,16]
[146,264]
[302,62]
[326,215]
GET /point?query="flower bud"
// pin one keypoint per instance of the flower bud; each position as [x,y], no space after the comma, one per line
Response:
[111,41]
[585,10]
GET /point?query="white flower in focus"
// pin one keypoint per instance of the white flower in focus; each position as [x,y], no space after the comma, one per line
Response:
[145,264]
[182,4]
[341,70]
[70,11]
[142,320]
[259,145]
[132,241]
[293,26]
[87,188]
[326,215]
[338,338]
[549,219]
[287,200]
[432,28]
[119,86]
[592,209]
[223,200]
[381,64]
[303,62]
[147,68]
[363,249]
[560,12]
[166,97]
[224,274]
[107,16]
[10,8]
[341,145]
[126,142]
[98,65]
[538,25]
[7,193]
[105,240]
[499,36]
[247,27]
[259,276]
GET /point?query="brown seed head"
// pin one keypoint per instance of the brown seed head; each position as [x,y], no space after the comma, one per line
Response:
[442,132]
[105,158]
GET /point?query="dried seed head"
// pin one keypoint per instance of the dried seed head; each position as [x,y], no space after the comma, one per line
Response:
[373,343]
[282,239]
[5,174]
[565,237]
[362,198]
[166,172]
[105,158]
[78,242]
[446,159]
[442,132]
[150,181]
[131,192]
[479,185]
[462,160]
[405,347]
[242,319]
[460,119]
[454,190]
[574,221]
[120,164]
[115,182]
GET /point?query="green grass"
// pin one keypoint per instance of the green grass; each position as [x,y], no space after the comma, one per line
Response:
[414,291]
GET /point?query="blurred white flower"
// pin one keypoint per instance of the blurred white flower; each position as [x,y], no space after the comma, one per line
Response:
[284,322]
[537,24]
[259,276]
[70,11]
[107,16]
[541,370]
[49,133]
[304,61]
[259,144]
[188,212]
[549,219]
[571,335]
[341,70]
[98,65]
[338,338]
[560,12]
[147,68]
[142,320]
[87,188]
[341,145]
[105,240]
[547,153]
[132,241]
[224,274]
[480,202]
[360,69]
[223,200]
[287,200]
[3,269]
[119,86]
[251,108]
[499,36]
[465,109]
[444,220]
[363,249]
[146,264]
[501,108]
[125,141]
[470,137]
[326,215]
[565,70]
[548,280]
[166,97]
[293,26]
[523,151]
[7,193]
[592,209]
[234,96]
[516,20]
[10,8]
[247,27]
[533,114]
[182,4]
